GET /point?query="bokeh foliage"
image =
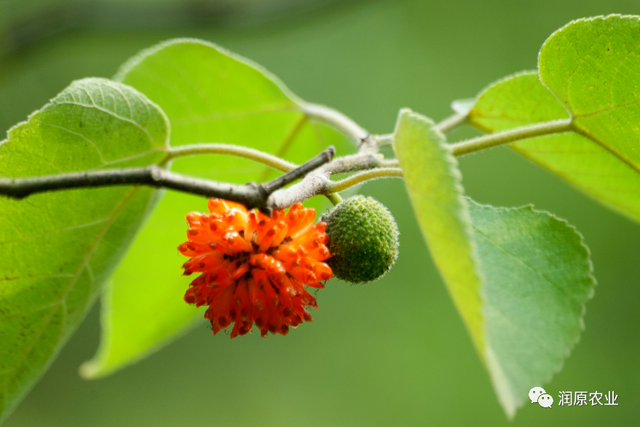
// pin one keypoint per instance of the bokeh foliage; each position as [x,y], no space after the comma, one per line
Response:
[367,366]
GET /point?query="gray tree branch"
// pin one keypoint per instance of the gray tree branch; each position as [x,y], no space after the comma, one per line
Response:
[251,195]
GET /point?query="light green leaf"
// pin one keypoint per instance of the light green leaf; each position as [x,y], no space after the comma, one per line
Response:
[209,95]
[592,69]
[57,249]
[518,277]
[434,185]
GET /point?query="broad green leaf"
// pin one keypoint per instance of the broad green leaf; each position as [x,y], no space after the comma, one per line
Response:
[592,71]
[57,249]
[518,277]
[209,95]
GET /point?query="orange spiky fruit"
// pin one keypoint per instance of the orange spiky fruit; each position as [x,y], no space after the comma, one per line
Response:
[254,268]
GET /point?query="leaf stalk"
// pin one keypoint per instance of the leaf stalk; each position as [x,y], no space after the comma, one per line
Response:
[512,135]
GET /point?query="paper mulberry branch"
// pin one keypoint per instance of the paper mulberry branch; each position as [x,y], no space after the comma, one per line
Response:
[251,195]
[153,176]
[318,183]
[316,172]
[271,195]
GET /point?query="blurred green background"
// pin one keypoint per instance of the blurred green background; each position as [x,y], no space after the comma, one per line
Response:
[393,352]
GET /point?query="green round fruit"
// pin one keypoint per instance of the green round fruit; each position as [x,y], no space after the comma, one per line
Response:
[363,238]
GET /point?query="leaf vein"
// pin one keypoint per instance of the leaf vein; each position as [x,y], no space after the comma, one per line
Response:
[114,114]
[73,282]
[81,136]
[73,227]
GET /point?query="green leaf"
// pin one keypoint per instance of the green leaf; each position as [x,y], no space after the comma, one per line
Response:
[592,71]
[209,95]
[442,213]
[57,249]
[518,277]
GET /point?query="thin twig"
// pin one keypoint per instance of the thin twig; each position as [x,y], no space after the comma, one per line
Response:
[239,151]
[153,176]
[351,163]
[325,157]
[312,185]
[319,183]
[251,195]
[358,162]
